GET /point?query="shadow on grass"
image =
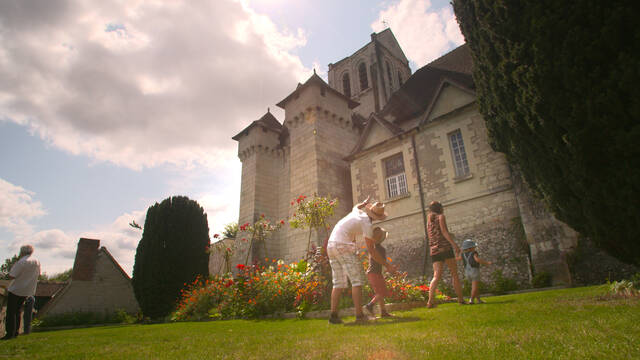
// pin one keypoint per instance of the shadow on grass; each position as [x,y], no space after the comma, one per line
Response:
[387,321]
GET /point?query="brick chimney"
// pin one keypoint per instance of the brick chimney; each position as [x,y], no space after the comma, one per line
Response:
[85,264]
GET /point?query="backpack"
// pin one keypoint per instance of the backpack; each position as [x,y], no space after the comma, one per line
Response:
[469,259]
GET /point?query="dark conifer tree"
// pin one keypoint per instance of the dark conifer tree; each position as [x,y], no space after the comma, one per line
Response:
[172,252]
[557,83]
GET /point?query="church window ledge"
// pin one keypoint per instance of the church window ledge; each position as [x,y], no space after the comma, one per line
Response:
[398,197]
[459,179]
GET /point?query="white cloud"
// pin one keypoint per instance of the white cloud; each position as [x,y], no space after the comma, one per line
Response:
[18,208]
[140,83]
[424,34]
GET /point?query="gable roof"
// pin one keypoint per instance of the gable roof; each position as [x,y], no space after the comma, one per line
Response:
[418,93]
[317,81]
[373,118]
[267,121]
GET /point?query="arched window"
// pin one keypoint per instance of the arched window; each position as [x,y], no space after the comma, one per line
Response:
[389,75]
[362,73]
[400,78]
[346,85]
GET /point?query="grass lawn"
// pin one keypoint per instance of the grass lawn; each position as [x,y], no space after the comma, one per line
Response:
[560,324]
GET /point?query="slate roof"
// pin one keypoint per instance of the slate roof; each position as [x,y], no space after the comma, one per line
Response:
[316,80]
[48,289]
[267,121]
[417,93]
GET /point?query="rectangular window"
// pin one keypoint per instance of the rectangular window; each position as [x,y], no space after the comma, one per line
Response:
[395,176]
[459,154]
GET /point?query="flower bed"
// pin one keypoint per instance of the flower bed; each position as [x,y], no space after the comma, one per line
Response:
[277,288]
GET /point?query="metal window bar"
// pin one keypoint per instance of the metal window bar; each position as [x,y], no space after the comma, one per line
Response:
[459,154]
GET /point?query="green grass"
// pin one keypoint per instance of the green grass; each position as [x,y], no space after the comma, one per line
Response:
[574,323]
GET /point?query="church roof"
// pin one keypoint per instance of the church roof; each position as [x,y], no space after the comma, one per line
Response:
[418,92]
[458,60]
[267,121]
[316,80]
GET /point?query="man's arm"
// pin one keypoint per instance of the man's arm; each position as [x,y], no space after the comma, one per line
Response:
[376,255]
[364,203]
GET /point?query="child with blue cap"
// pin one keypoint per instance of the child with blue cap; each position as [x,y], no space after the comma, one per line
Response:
[472,268]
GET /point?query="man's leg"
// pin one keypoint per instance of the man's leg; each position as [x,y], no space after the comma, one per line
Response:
[28,314]
[13,311]
[335,300]
[356,295]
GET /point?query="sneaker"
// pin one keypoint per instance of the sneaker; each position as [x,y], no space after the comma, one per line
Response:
[335,319]
[369,308]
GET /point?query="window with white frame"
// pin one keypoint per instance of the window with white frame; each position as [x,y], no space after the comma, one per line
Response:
[395,176]
[459,154]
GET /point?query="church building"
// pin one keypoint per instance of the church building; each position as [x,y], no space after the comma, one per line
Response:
[404,139]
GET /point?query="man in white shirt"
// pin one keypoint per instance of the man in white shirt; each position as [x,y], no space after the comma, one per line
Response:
[342,252]
[24,274]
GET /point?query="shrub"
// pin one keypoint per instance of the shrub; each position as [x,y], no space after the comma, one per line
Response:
[556,86]
[541,279]
[171,254]
[502,284]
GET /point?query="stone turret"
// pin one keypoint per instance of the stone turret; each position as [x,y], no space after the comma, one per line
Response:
[321,134]
[264,176]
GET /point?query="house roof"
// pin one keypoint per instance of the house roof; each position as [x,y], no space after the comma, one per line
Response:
[416,95]
[457,60]
[267,121]
[373,118]
[317,81]
[49,289]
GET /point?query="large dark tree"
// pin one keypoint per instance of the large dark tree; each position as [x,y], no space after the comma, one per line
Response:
[172,252]
[558,85]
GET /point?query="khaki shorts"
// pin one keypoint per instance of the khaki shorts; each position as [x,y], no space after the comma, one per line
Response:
[345,264]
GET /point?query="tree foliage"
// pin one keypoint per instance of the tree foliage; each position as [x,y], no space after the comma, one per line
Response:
[557,83]
[6,267]
[171,253]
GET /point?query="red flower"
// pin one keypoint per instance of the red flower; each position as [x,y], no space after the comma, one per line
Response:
[281,222]
[240,266]
[230,282]
[292,203]
[244,239]
[261,215]
[215,236]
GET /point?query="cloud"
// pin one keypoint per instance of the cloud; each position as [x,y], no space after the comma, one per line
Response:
[141,83]
[18,208]
[424,34]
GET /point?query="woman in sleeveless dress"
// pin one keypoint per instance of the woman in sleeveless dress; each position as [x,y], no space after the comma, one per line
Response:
[442,248]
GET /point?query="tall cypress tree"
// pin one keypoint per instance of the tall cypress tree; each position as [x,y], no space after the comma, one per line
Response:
[172,252]
[557,83]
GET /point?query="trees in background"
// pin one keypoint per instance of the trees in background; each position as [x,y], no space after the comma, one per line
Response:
[171,253]
[557,83]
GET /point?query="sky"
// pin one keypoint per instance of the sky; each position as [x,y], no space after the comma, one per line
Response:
[109,107]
